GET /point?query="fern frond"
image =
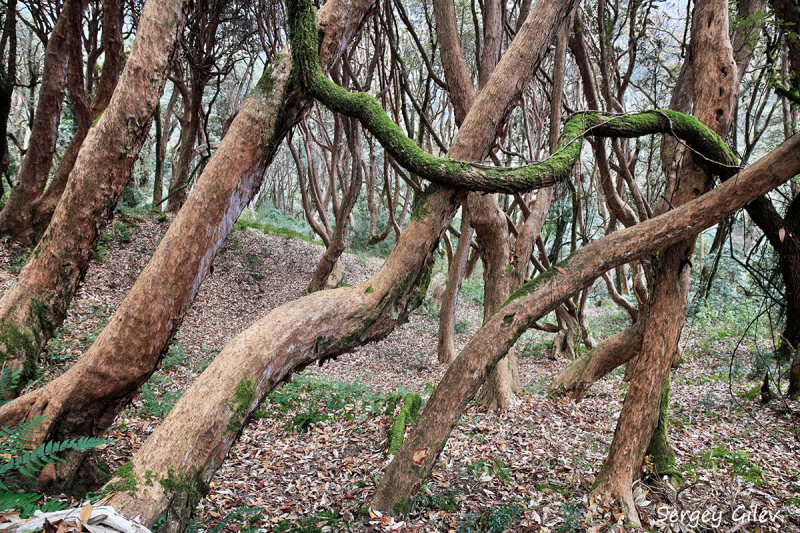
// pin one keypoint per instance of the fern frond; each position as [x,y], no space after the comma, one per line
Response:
[31,462]
[12,500]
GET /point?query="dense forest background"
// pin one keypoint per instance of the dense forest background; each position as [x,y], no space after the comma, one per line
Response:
[564,336]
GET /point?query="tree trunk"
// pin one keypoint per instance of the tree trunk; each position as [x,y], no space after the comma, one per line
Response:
[466,374]
[191,444]
[327,266]
[178,187]
[86,398]
[8,78]
[462,94]
[36,305]
[158,176]
[447,314]
[659,448]
[611,353]
[35,169]
[715,91]
[44,206]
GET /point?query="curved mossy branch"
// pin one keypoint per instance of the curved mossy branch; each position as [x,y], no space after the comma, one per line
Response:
[304,36]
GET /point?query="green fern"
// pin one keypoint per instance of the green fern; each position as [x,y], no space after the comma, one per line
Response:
[31,462]
[16,458]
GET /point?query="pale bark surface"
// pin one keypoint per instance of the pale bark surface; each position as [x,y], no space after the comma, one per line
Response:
[86,398]
[610,353]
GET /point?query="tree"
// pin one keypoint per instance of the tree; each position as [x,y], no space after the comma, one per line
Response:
[8,76]
[36,305]
[86,398]
[87,109]
[38,159]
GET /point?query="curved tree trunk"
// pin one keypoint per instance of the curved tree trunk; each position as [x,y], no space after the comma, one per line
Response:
[611,353]
[420,450]
[35,169]
[86,398]
[37,304]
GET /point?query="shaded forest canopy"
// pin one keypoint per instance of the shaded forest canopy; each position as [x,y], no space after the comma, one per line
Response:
[522,225]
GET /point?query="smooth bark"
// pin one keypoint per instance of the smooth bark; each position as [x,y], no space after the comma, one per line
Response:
[466,374]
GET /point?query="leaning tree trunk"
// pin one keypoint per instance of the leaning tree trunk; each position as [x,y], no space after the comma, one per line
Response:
[611,353]
[462,94]
[86,398]
[455,275]
[36,305]
[715,92]
[35,169]
[320,325]
[420,450]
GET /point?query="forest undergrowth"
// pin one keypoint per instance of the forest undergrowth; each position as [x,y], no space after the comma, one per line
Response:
[312,455]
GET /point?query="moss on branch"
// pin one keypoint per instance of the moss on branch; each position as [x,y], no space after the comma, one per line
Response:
[304,36]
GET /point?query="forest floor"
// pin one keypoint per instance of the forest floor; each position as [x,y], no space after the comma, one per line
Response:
[310,458]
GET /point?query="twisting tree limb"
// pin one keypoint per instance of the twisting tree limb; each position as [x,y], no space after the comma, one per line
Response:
[466,374]
[444,171]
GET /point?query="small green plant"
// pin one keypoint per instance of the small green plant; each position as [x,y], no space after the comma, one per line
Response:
[462,326]
[446,500]
[483,468]
[495,519]
[572,514]
[329,520]
[302,421]
[242,519]
[18,464]
[738,463]
[175,355]
[158,405]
